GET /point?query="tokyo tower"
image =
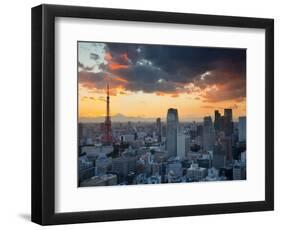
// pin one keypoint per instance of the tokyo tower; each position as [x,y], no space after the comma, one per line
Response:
[107,136]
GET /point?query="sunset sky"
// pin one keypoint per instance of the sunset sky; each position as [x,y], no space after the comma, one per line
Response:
[146,80]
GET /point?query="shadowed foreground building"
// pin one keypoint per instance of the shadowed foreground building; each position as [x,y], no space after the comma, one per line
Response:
[242,129]
[208,133]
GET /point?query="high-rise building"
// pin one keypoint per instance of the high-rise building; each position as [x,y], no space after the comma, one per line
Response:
[228,123]
[172,131]
[159,129]
[218,156]
[228,113]
[208,134]
[217,122]
[242,129]
[227,147]
[181,145]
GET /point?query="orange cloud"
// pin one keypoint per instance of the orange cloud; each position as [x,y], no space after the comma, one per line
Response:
[116,66]
[121,79]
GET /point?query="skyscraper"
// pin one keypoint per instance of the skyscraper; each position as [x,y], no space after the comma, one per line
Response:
[208,133]
[217,122]
[228,124]
[181,145]
[242,129]
[172,131]
[227,147]
[228,113]
[218,156]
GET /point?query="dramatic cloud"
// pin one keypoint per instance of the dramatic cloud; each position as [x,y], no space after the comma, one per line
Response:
[85,68]
[235,106]
[214,74]
[94,56]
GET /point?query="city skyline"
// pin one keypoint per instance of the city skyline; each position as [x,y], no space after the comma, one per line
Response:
[159,152]
[196,81]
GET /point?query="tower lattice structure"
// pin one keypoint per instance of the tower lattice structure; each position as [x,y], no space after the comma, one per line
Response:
[107,136]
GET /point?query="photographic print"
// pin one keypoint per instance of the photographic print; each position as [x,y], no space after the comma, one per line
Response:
[133,103]
[157,114]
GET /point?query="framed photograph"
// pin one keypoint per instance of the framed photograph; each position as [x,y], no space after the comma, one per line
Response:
[141,114]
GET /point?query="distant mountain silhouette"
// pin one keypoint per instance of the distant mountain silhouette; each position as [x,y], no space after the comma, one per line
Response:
[117,118]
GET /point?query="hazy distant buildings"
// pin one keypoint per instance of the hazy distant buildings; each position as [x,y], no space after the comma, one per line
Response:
[242,129]
[159,129]
[172,131]
[128,138]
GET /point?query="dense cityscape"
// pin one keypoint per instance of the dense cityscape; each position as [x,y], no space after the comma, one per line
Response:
[164,151]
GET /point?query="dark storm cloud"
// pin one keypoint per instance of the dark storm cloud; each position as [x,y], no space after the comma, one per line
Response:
[86,68]
[98,80]
[94,56]
[168,69]
[118,49]
[190,61]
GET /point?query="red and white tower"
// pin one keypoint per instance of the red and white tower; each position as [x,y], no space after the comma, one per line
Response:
[107,136]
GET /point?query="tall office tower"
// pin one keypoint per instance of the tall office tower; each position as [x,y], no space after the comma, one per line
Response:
[187,144]
[172,131]
[107,135]
[218,156]
[208,134]
[227,147]
[228,113]
[217,122]
[242,129]
[228,124]
[181,145]
[159,129]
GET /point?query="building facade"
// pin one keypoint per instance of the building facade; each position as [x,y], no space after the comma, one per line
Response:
[172,131]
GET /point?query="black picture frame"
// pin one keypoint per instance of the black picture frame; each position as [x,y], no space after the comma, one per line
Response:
[43,114]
